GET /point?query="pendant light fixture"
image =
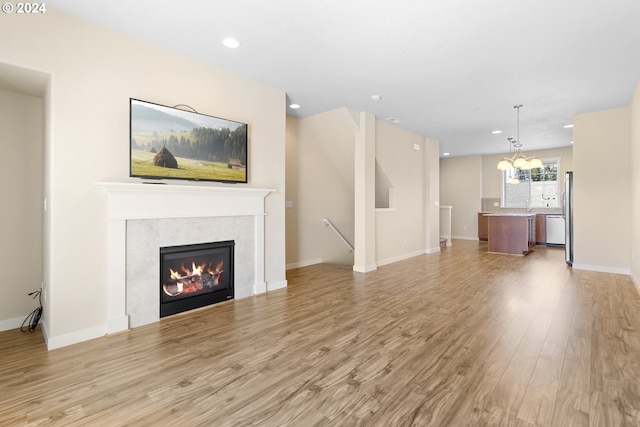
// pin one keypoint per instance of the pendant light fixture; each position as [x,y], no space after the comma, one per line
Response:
[518,160]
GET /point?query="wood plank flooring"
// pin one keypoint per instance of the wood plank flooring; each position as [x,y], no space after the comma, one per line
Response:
[459,338]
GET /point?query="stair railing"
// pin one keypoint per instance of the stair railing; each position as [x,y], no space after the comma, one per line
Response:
[329,224]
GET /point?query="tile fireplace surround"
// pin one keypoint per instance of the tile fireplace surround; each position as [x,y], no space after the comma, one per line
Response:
[145,217]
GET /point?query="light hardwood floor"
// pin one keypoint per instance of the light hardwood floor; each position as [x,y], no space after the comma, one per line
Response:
[459,338]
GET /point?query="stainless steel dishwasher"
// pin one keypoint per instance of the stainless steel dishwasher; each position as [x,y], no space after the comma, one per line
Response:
[555,230]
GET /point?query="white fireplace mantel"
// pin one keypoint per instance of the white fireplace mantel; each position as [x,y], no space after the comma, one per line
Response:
[130,201]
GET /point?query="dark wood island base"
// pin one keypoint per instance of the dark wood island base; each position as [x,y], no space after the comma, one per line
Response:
[511,233]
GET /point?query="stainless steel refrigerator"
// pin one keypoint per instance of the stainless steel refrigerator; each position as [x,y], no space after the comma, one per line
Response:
[567,212]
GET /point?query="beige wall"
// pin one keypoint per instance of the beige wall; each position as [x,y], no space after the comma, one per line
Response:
[321,169]
[401,231]
[320,183]
[461,187]
[21,178]
[635,186]
[432,195]
[292,176]
[94,72]
[491,177]
[602,190]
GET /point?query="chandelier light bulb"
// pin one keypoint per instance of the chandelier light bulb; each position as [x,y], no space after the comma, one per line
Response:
[520,163]
[505,165]
[535,163]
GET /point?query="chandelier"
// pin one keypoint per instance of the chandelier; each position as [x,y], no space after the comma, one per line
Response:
[518,160]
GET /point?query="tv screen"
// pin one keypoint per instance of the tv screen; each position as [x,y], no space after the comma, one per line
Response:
[167,142]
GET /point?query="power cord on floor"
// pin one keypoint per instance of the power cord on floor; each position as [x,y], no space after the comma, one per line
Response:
[32,319]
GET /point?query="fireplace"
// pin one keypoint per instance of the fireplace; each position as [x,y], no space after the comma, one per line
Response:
[193,276]
[144,218]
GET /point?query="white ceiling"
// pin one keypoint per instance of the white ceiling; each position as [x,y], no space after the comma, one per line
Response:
[447,69]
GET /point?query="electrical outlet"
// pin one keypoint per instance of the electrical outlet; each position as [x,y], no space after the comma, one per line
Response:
[465,228]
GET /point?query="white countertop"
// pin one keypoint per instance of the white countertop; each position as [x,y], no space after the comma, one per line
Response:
[510,214]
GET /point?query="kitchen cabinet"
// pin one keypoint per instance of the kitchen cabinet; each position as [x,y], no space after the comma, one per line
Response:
[512,233]
[483,227]
[541,229]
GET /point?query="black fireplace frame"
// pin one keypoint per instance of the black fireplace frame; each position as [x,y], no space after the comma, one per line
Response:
[199,300]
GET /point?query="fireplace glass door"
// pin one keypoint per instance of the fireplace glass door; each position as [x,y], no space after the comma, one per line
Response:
[194,276]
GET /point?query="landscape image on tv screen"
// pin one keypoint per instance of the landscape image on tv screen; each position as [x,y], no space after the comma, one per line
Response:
[171,143]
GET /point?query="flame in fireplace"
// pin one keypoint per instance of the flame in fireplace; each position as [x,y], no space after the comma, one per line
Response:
[217,270]
[196,270]
[193,280]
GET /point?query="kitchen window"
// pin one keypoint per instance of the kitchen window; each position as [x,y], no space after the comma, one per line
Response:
[535,188]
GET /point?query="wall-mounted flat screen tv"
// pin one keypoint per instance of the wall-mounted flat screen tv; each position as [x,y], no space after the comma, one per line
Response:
[172,143]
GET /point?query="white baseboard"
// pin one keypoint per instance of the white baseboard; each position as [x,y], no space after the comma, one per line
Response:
[391,260]
[117,324]
[365,268]
[272,286]
[602,269]
[465,238]
[433,250]
[259,288]
[9,324]
[635,282]
[45,333]
[75,337]
[304,263]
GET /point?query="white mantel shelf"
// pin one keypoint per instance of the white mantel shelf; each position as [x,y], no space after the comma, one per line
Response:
[130,200]
[134,201]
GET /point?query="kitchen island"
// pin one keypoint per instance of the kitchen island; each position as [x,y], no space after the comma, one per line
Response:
[511,233]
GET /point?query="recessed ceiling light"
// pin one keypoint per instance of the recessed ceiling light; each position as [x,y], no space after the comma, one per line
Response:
[495,132]
[231,43]
[572,142]
[294,106]
[446,154]
[376,98]
[568,126]
[393,120]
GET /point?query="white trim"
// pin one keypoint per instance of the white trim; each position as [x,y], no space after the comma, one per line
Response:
[146,201]
[400,258]
[602,269]
[75,337]
[304,263]
[635,282]
[116,324]
[365,268]
[134,201]
[45,334]
[9,324]
[260,288]
[276,285]
[383,210]
[433,250]
[464,238]
[544,161]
